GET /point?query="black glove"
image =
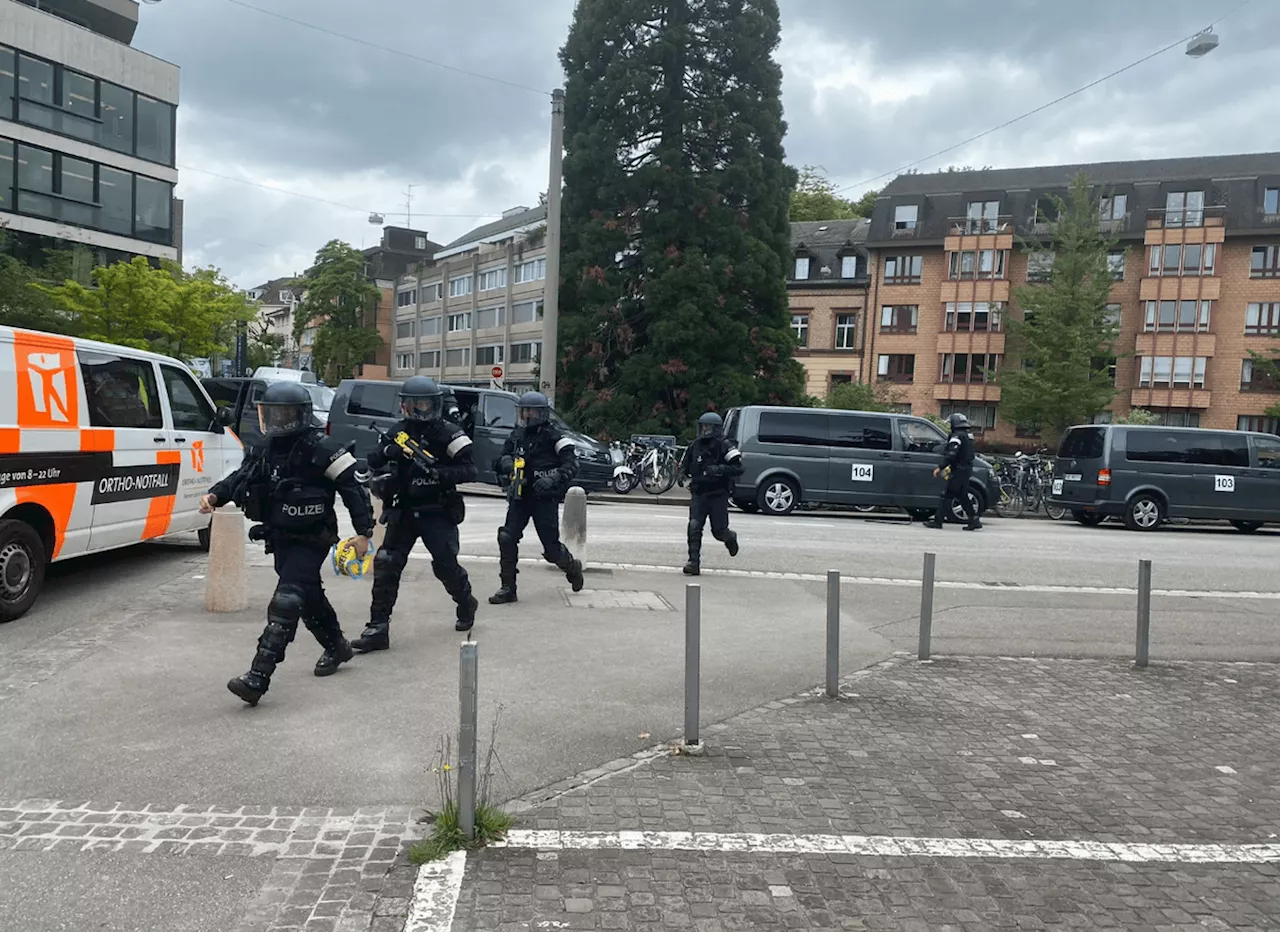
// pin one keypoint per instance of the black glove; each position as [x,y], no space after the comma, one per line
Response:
[711,472]
[506,466]
[545,484]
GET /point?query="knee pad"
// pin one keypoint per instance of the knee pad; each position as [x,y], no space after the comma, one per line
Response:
[695,528]
[287,603]
[383,561]
[506,538]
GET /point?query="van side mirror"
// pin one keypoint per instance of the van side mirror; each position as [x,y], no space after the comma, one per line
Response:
[226,416]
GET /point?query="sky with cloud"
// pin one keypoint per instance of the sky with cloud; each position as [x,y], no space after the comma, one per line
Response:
[868,87]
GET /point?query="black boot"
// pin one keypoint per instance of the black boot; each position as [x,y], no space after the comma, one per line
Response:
[250,686]
[507,593]
[973,525]
[376,636]
[692,568]
[466,614]
[731,543]
[275,637]
[934,523]
[572,569]
[333,658]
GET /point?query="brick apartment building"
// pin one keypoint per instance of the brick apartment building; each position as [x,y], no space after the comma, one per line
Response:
[1197,269]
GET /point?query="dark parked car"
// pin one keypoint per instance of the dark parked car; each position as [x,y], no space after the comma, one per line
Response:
[488,416]
[836,457]
[1146,475]
[241,395]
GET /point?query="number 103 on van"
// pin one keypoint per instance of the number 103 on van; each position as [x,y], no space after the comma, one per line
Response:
[862,472]
[1224,483]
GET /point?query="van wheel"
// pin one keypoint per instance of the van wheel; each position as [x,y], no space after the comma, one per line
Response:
[1088,518]
[1246,527]
[778,495]
[957,515]
[22,565]
[1144,513]
[204,535]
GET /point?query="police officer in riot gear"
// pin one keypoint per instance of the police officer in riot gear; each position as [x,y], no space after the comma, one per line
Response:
[710,464]
[420,502]
[535,467]
[287,486]
[958,462]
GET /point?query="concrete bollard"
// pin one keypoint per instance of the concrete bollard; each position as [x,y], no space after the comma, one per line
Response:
[1142,647]
[692,668]
[468,704]
[574,523]
[926,607]
[833,634]
[225,588]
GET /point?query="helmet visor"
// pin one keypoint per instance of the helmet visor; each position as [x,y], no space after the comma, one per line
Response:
[531,417]
[279,420]
[706,431]
[421,407]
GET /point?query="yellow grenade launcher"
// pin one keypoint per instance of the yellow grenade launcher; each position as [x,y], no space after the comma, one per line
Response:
[346,563]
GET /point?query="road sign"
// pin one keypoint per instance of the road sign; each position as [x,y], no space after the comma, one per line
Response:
[496,372]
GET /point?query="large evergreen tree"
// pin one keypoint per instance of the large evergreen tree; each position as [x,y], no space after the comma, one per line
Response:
[675,228]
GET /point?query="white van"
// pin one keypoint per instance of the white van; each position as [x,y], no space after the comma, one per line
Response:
[101,446]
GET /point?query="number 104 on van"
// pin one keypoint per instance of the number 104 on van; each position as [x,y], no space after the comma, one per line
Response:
[862,472]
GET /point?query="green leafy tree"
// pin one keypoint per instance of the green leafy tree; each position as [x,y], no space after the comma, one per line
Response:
[861,396]
[1138,416]
[339,299]
[265,348]
[200,322]
[675,226]
[129,304]
[815,198]
[22,303]
[1067,337]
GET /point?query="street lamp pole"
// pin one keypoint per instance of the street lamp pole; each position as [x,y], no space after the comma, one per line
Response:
[547,360]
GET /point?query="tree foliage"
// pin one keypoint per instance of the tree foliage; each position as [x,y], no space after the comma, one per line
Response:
[675,225]
[861,396]
[338,301]
[1138,416]
[22,303]
[815,198]
[1066,339]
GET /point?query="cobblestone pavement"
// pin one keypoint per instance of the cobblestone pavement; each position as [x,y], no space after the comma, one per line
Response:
[954,751]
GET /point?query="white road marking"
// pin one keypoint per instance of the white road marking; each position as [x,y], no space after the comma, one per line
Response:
[891,847]
[435,894]
[1225,769]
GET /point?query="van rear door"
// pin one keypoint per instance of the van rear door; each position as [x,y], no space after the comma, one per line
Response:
[1081,455]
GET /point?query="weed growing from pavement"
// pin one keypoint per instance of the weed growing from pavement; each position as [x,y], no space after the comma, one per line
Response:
[446,829]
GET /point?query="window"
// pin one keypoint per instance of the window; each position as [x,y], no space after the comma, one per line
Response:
[902,269]
[1259,423]
[1262,318]
[420,243]
[1177,316]
[802,268]
[404,361]
[1178,259]
[407,298]
[525,352]
[899,318]
[1104,364]
[969,367]
[976,317]
[488,317]
[1268,449]
[982,217]
[846,328]
[1115,262]
[286,296]
[1175,371]
[982,263]
[1083,443]
[499,411]
[848,266]
[793,427]
[1271,202]
[800,327]
[35,84]
[983,416]
[404,330]
[1102,417]
[457,358]
[1184,209]
[1040,265]
[429,326]
[121,392]
[493,279]
[526,312]
[459,322]
[116,112]
[896,368]
[920,437]
[1166,446]
[374,399]
[152,216]
[460,286]
[1265,262]
[1256,377]
[78,99]
[432,292]
[8,61]
[1114,207]
[429,360]
[488,355]
[1113,315]
[905,216]
[531,271]
[861,432]
[155,130]
[1026,431]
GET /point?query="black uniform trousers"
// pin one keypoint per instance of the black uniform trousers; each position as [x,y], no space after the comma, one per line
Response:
[545,515]
[957,488]
[439,535]
[299,596]
[713,505]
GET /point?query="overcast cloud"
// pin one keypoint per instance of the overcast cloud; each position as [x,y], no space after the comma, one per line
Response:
[868,87]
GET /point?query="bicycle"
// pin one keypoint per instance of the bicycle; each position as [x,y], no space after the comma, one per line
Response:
[659,468]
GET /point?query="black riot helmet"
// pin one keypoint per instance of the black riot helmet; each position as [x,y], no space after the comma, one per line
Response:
[421,399]
[284,410]
[533,409]
[958,421]
[710,426]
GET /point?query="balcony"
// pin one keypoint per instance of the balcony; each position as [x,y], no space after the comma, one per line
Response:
[1181,287]
[966,391]
[975,226]
[981,289]
[1163,344]
[1162,396]
[1185,217]
[971,342]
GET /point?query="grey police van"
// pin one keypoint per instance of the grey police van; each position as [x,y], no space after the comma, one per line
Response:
[1146,475]
[834,457]
[487,415]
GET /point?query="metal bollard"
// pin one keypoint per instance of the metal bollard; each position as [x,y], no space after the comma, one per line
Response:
[926,606]
[467,705]
[225,589]
[692,662]
[833,634]
[1143,648]
[574,523]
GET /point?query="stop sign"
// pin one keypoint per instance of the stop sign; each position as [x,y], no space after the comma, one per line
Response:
[496,372]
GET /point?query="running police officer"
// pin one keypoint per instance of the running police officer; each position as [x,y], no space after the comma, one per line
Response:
[958,463]
[421,501]
[287,486]
[535,467]
[710,464]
